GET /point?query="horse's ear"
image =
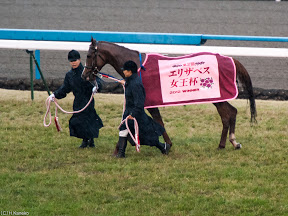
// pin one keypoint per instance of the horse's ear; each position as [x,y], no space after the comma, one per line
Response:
[93,41]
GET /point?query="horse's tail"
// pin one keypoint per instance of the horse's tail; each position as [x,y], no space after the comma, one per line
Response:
[245,80]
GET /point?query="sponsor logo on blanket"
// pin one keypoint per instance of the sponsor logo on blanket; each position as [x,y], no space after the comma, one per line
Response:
[189,78]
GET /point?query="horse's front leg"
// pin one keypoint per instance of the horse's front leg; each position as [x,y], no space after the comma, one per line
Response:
[116,149]
[155,113]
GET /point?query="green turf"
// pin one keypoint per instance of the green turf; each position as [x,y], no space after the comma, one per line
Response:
[44,173]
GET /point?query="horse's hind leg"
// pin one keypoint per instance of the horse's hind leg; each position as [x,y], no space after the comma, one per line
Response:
[155,113]
[232,123]
[228,116]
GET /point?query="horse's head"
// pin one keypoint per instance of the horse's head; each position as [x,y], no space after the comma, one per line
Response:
[93,63]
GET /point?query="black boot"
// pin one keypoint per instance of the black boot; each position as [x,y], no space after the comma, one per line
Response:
[129,138]
[122,147]
[164,148]
[91,143]
[84,143]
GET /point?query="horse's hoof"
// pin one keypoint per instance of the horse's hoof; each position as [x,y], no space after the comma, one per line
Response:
[115,153]
[238,146]
[221,147]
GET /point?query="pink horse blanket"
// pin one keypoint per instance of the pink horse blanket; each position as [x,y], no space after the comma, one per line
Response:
[190,79]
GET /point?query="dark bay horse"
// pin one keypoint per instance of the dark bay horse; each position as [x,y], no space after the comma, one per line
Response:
[101,53]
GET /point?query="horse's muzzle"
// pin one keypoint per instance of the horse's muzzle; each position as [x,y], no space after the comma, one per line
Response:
[89,77]
[84,77]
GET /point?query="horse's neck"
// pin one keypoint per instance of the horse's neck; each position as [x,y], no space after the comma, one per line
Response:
[117,55]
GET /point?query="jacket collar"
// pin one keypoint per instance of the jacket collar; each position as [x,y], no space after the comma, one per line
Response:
[78,69]
[133,76]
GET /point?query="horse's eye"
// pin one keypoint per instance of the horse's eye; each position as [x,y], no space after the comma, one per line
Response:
[88,56]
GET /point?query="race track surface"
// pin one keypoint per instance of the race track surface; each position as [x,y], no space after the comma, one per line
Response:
[252,18]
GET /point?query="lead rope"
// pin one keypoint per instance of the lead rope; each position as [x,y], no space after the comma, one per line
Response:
[48,105]
[48,111]
[136,137]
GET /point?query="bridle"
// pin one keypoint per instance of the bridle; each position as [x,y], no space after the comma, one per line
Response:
[94,67]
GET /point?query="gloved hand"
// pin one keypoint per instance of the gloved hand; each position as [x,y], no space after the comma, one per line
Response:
[52,97]
[94,90]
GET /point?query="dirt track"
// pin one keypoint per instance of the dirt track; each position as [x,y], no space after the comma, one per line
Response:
[254,18]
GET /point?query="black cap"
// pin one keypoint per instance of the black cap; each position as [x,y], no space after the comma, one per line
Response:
[73,55]
[130,65]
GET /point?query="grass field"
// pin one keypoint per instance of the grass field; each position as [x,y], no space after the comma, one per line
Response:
[44,173]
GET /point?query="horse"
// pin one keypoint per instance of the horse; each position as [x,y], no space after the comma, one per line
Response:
[101,53]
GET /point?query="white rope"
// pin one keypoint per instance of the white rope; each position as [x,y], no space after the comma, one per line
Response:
[48,111]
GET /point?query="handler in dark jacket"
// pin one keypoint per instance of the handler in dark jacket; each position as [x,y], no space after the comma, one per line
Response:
[86,124]
[149,130]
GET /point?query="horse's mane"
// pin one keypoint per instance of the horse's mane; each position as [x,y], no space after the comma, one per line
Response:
[116,45]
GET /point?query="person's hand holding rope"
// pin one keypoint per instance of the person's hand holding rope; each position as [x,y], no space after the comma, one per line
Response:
[130,117]
[122,82]
[51,97]
[94,90]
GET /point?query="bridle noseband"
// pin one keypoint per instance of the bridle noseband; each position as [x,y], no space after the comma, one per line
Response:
[94,67]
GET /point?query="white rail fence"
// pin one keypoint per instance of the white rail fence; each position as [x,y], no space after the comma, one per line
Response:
[148,48]
[145,42]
